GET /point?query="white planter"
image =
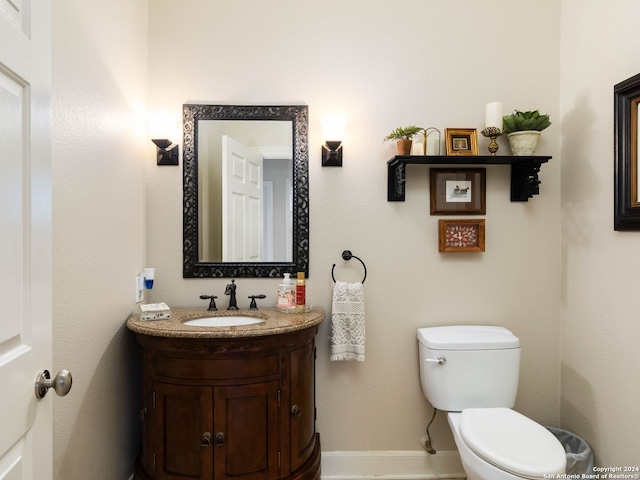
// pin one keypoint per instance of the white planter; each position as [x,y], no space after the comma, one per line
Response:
[523,143]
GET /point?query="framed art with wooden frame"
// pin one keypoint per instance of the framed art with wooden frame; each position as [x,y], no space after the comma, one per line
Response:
[458,191]
[461,141]
[627,143]
[461,235]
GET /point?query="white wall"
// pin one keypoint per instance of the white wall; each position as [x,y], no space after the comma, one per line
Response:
[100,147]
[425,63]
[600,328]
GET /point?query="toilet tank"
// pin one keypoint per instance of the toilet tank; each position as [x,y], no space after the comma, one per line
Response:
[480,369]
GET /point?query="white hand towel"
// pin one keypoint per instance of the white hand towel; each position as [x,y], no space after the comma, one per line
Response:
[347,322]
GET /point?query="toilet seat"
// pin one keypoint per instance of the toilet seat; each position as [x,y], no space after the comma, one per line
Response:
[512,442]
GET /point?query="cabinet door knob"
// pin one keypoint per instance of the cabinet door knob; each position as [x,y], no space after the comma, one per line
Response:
[296,412]
[206,440]
[220,439]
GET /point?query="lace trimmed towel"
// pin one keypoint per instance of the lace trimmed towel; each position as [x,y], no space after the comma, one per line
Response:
[347,322]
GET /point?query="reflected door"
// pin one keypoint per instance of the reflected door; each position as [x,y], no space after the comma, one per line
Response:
[242,196]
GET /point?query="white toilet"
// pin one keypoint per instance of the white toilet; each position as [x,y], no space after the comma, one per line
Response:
[471,372]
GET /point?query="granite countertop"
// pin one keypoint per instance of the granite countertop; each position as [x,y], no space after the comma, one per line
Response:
[275,323]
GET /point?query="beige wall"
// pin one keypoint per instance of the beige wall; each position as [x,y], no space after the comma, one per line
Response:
[599,320]
[100,147]
[439,66]
[553,265]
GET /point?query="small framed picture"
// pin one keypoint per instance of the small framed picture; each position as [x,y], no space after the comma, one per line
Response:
[461,235]
[458,191]
[461,141]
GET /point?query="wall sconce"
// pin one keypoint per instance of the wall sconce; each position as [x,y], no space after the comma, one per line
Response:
[332,128]
[164,124]
[168,152]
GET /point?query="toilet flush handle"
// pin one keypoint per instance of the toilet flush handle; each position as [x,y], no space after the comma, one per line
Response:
[440,360]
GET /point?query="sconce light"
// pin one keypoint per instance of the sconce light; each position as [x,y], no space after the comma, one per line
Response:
[164,124]
[168,152]
[332,128]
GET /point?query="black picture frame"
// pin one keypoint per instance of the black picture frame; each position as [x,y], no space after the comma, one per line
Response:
[626,200]
[458,191]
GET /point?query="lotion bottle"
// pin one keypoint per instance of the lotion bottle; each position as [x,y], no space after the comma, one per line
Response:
[286,294]
[301,292]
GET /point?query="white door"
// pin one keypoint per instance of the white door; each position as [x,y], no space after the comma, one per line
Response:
[25,238]
[242,224]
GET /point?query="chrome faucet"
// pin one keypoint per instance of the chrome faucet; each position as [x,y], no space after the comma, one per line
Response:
[231,291]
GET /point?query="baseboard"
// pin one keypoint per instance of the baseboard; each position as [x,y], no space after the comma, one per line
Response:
[391,465]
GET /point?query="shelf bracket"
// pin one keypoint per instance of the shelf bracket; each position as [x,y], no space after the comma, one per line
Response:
[396,178]
[524,181]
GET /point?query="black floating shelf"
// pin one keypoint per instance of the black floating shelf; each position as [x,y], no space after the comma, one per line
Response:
[524,172]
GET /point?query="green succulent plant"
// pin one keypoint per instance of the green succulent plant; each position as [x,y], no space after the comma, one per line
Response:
[519,121]
[403,133]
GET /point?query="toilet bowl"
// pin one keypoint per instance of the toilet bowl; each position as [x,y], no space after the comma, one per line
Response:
[502,444]
[471,372]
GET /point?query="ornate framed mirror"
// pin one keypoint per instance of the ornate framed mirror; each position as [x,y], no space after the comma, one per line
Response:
[245,190]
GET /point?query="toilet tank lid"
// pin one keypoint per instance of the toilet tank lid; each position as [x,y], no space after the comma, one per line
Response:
[467,337]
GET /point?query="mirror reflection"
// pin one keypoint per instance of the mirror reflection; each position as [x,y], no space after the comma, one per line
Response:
[246,192]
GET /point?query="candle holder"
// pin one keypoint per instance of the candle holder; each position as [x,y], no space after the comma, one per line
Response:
[492,133]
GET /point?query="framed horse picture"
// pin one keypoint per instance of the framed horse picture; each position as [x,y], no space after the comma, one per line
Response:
[458,191]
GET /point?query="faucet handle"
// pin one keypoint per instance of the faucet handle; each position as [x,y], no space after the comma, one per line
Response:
[254,305]
[212,303]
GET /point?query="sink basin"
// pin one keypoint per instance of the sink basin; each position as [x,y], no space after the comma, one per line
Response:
[222,321]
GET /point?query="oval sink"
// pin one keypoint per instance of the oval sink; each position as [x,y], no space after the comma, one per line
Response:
[222,321]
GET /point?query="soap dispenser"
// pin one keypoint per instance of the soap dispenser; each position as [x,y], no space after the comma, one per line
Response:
[286,294]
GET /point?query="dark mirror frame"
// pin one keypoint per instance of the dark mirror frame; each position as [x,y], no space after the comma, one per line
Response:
[626,204]
[298,116]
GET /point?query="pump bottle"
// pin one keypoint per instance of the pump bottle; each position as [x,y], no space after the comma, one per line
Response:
[286,294]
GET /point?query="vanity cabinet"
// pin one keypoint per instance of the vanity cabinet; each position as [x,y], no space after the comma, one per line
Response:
[229,408]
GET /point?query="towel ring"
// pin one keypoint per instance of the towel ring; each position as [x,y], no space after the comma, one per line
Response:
[347,255]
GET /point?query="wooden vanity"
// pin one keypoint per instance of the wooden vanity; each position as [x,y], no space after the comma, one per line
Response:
[229,402]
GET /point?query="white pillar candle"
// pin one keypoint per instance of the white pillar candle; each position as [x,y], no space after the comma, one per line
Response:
[493,115]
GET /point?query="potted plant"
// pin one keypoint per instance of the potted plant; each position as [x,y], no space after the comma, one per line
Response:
[404,138]
[523,130]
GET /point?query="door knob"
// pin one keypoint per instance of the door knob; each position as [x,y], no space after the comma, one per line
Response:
[61,383]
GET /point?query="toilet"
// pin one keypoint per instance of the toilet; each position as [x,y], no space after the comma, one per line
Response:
[471,372]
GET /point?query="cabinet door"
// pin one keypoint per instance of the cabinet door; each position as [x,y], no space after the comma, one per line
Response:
[181,421]
[246,431]
[302,404]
